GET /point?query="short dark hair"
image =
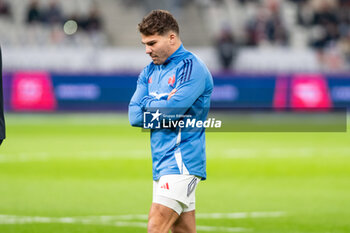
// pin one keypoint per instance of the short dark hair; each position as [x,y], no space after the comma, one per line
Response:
[158,22]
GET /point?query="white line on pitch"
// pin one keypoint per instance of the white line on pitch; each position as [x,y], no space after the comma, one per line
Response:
[13,219]
[10,219]
[237,215]
[84,155]
[222,229]
[200,228]
[125,220]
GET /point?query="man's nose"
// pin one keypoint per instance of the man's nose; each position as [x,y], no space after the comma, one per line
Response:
[148,50]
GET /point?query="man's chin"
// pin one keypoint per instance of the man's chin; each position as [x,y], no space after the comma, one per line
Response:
[157,62]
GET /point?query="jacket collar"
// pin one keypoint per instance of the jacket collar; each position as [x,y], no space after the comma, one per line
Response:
[176,55]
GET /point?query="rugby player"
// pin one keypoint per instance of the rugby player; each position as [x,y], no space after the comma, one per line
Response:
[176,80]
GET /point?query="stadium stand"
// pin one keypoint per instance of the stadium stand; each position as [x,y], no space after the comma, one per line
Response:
[40,23]
[288,35]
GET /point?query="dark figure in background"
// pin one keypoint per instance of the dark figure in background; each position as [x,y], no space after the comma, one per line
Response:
[5,9]
[93,21]
[326,20]
[53,14]
[344,28]
[2,120]
[255,28]
[267,26]
[226,48]
[34,15]
[275,30]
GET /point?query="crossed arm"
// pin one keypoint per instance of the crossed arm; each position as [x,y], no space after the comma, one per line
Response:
[178,101]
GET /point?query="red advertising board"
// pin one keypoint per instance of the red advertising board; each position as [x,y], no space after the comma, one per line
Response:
[302,91]
[310,91]
[32,91]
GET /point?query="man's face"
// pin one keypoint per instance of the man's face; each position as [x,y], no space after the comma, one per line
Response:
[158,47]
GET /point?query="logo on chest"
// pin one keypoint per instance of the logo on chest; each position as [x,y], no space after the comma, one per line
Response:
[171,81]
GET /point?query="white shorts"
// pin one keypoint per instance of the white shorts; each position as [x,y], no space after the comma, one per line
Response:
[176,192]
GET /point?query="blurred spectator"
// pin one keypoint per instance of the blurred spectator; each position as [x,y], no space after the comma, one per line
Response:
[344,29]
[275,29]
[226,47]
[5,9]
[255,28]
[325,26]
[329,24]
[53,14]
[343,15]
[34,15]
[267,26]
[93,21]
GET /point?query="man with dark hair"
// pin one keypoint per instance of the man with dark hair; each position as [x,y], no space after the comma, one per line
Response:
[179,83]
[34,14]
[2,121]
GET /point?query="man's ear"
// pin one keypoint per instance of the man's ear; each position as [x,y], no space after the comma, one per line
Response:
[172,38]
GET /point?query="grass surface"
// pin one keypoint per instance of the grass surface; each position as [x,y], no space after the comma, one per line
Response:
[84,166]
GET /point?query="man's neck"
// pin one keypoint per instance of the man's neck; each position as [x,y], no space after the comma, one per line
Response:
[175,48]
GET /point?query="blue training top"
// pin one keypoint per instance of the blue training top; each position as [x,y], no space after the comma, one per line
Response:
[175,151]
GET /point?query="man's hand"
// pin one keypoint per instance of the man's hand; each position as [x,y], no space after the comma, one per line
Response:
[172,93]
[152,97]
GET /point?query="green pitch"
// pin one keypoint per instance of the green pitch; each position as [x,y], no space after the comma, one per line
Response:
[92,173]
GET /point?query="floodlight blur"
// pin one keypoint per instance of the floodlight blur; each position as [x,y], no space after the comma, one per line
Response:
[70,27]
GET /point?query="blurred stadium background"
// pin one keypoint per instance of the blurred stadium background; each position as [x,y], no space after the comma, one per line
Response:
[72,163]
